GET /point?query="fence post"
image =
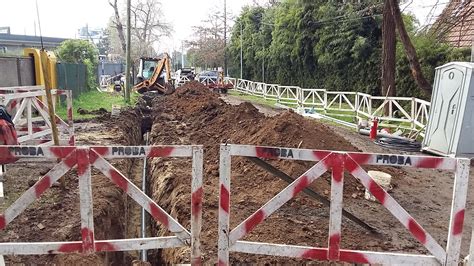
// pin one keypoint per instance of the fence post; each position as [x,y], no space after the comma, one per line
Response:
[335,211]
[370,107]
[299,96]
[458,208]
[356,105]
[325,101]
[85,198]
[196,205]
[278,94]
[413,112]
[70,119]
[224,205]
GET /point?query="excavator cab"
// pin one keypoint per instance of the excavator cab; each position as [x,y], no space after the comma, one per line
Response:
[146,68]
[155,75]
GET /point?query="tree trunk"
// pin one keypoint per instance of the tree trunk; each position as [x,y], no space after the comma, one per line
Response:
[119,26]
[388,54]
[409,49]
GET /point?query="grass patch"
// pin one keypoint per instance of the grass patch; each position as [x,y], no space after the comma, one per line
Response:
[94,100]
[252,98]
[349,119]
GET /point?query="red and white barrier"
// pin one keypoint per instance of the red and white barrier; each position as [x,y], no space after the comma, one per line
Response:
[83,158]
[337,162]
[32,129]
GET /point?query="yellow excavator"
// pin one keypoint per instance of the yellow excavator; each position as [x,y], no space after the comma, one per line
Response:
[155,75]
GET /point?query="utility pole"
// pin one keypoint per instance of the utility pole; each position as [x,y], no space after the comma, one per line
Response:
[241,53]
[225,37]
[182,55]
[128,58]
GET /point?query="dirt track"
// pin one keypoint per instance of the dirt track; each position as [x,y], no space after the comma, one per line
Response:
[193,115]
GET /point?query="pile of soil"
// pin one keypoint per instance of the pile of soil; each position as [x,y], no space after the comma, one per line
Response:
[100,111]
[194,115]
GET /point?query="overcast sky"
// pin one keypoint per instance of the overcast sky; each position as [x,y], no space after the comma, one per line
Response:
[62,18]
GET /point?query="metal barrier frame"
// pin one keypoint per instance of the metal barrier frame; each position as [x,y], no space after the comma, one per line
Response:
[412,113]
[83,158]
[20,100]
[183,80]
[337,162]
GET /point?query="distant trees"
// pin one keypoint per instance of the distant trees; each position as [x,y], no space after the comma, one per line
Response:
[334,45]
[206,49]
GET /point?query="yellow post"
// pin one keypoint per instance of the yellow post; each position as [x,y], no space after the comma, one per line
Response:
[45,73]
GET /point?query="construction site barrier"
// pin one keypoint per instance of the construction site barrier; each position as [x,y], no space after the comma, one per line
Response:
[183,80]
[337,163]
[402,110]
[31,116]
[84,158]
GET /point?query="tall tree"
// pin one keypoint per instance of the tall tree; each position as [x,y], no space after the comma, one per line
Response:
[117,22]
[388,53]
[409,48]
[207,47]
[147,26]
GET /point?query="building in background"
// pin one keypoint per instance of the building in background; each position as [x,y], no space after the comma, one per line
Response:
[91,34]
[455,25]
[14,44]
[5,30]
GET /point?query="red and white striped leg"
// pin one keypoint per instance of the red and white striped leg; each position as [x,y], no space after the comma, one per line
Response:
[85,193]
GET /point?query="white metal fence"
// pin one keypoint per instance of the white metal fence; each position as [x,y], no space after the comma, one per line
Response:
[85,158]
[31,118]
[338,162]
[404,112]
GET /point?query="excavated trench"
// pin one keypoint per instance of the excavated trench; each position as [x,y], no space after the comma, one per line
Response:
[195,116]
[115,214]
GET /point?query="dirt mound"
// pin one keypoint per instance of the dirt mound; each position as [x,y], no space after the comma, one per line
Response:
[100,111]
[194,115]
[293,130]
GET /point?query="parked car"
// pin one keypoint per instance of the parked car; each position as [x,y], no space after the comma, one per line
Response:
[208,76]
[187,72]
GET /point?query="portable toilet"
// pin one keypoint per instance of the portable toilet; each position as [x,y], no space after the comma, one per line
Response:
[450,128]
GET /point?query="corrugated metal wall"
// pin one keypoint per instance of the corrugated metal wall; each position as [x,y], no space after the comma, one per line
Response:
[110,69]
[20,71]
[16,71]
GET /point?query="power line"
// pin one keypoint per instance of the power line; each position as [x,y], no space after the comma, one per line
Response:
[39,25]
[341,18]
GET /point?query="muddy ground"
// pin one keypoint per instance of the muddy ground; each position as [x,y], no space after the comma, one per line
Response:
[56,216]
[193,115]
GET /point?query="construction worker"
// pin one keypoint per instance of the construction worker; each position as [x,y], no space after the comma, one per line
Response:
[7,129]
[8,135]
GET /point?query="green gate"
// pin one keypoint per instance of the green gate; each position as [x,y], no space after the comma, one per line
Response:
[72,77]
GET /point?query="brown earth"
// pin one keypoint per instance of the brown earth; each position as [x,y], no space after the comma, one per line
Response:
[55,216]
[193,115]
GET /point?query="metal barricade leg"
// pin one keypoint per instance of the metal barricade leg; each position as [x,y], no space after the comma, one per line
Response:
[3,170]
